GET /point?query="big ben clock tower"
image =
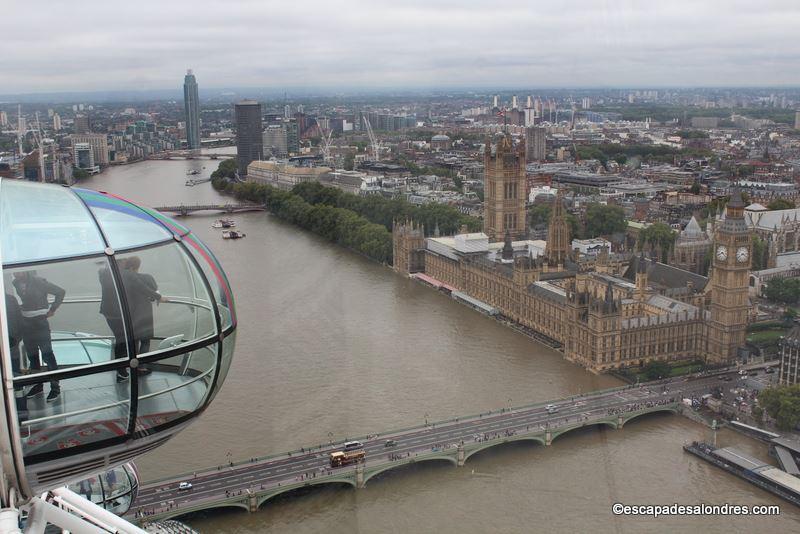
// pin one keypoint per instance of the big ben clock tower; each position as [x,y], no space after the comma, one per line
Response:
[731,267]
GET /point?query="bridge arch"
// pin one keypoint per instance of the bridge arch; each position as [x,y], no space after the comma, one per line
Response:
[180,512]
[398,464]
[655,409]
[539,439]
[261,499]
[561,431]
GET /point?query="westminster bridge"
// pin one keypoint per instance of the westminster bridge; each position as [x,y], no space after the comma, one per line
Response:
[251,483]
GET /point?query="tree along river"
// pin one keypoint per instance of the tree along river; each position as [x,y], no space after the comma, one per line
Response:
[332,344]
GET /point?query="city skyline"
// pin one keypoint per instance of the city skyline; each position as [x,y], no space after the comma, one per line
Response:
[413,45]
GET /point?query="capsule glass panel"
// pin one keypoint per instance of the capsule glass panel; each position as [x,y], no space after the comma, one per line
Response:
[114,489]
[175,386]
[167,298]
[62,315]
[40,223]
[89,409]
[124,224]
[216,278]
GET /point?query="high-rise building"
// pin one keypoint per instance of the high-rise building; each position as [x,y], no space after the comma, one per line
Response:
[292,137]
[535,144]
[275,141]
[727,327]
[32,168]
[3,118]
[797,120]
[514,102]
[496,102]
[99,144]
[83,156]
[81,124]
[504,190]
[56,122]
[790,357]
[191,106]
[249,142]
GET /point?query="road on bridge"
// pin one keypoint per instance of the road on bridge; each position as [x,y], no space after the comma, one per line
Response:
[221,482]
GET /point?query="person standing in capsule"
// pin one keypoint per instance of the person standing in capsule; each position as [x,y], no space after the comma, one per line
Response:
[33,291]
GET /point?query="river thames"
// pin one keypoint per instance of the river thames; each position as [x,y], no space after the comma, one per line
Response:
[330,343]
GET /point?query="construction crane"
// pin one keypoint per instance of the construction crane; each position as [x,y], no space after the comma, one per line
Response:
[373,141]
[37,137]
[20,129]
[325,142]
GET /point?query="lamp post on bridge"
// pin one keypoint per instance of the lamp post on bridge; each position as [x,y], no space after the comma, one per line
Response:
[426,418]
[330,438]
[509,405]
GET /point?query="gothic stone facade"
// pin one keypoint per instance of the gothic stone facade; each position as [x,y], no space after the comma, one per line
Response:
[505,188]
[603,321]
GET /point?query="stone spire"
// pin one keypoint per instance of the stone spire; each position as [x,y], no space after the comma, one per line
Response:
[558,239]
[508,249]
[641,277]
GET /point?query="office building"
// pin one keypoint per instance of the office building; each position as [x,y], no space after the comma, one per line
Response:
[789,374]
[99,144]
[797,120]
[249,142]
[3,118]
[83,156]
[292,136]
[191,106]
[275,141]
[81,124]
[56,122]
[535,144]
[283,175]
[32,168]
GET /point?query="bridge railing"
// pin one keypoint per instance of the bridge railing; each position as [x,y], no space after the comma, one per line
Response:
[311,448]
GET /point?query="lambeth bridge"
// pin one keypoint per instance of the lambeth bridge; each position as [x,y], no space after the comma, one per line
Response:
[184,209]
[251,483]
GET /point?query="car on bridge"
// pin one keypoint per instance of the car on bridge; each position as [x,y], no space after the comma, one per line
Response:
[390,443]
[551,408]
[353,445]
[184,486]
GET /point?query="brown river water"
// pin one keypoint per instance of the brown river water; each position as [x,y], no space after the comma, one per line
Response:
[330,343]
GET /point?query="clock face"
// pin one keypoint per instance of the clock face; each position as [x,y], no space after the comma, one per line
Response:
[722,253]
[741,254]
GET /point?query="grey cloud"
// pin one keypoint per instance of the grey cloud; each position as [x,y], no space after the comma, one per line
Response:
[94,45]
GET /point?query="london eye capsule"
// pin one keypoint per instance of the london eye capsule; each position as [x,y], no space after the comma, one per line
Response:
[119,330]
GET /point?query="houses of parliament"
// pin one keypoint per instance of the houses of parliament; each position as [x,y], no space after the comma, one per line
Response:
[605,313]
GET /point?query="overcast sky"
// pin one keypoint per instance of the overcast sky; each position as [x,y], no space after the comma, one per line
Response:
[53,46]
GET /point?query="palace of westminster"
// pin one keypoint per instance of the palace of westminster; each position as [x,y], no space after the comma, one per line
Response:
[606,313]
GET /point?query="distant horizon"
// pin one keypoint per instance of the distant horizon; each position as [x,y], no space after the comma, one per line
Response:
[210,93]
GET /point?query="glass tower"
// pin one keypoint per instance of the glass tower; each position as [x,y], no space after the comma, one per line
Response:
[191,104]
[249,140]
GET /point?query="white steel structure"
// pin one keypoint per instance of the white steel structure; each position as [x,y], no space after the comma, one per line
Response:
[373,140]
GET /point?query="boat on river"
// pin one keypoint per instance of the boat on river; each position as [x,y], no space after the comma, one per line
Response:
[223,223]
[232,234]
